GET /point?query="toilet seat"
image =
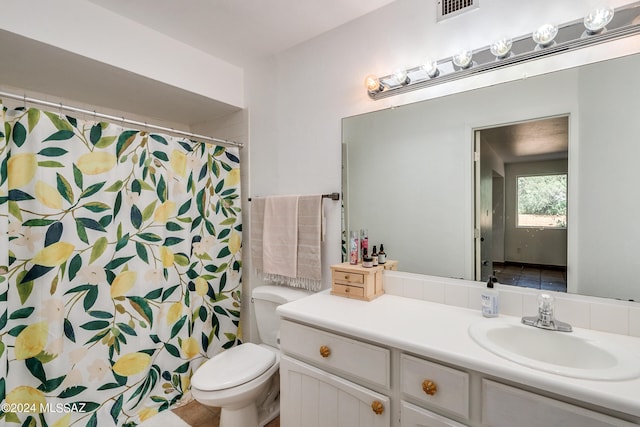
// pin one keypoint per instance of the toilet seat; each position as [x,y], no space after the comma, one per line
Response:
[232,367]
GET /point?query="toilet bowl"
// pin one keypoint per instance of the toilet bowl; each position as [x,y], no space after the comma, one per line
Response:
[243,381]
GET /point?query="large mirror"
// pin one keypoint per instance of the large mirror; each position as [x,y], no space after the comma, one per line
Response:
[411,177]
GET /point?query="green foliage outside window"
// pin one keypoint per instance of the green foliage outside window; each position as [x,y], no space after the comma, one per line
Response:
[542,200]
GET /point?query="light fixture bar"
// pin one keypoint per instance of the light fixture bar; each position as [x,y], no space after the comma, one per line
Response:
[571,36]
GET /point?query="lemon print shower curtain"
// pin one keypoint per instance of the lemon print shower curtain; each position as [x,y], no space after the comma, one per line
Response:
[119,268]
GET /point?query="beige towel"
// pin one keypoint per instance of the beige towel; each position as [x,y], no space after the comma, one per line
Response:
[280,236]
[309,237]
[257,224]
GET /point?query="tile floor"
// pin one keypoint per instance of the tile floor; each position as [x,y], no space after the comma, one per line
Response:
[531,276]
[197,415]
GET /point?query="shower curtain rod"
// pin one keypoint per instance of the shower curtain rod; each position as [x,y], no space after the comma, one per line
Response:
[116,119]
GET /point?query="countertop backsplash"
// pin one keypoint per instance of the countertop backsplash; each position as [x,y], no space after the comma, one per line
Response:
[601,314]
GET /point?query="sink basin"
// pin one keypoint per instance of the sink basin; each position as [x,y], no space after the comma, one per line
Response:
[572,354]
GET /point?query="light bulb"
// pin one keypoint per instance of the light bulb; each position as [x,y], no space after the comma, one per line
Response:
[431,68]
[597,19]
[401,76]
[544,35]
[463,59]
[372,83]
[501,47]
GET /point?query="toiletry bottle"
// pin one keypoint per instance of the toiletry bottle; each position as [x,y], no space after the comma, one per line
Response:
[374,255]
[490,299]
[382,257]
[364,241]
[353,247]
[367,261]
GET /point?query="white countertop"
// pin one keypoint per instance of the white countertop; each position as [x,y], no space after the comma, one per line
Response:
[439,332]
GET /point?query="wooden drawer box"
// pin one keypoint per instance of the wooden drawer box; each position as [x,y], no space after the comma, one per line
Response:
[356,281]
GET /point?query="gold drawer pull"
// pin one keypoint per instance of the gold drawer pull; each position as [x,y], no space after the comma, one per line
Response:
[377,407]
[346,277]
[325,351]
[429,387]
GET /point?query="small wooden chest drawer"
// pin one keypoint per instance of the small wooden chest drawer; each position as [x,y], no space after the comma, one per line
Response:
[356,281]
[435,385]
[341,275]
[348,291]
[336,353]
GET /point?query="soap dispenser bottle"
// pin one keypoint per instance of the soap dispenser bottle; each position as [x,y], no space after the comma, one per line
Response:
[490,299]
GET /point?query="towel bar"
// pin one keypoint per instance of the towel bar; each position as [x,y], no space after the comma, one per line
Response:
[332,196]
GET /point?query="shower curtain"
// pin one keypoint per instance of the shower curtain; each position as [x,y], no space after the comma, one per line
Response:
[122,264]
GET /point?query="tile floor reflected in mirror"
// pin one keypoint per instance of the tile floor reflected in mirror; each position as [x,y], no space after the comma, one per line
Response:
[197,415]
[531,276]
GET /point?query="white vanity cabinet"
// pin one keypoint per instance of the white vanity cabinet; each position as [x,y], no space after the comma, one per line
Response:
[353,363]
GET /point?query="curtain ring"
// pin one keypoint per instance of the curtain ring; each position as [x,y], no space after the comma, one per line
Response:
[24,100]
[60,112]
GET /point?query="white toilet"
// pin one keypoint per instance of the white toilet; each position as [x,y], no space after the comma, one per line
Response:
[243,381]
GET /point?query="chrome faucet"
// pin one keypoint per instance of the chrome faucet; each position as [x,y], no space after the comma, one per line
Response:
[545,318]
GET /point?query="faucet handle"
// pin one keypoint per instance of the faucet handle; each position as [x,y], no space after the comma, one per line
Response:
[545,303]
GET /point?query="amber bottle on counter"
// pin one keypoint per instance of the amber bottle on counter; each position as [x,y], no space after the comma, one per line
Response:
[382,256]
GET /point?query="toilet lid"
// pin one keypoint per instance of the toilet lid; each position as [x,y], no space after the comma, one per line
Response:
[233,367]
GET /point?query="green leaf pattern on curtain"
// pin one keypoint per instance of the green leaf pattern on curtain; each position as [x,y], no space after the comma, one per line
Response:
[123,270]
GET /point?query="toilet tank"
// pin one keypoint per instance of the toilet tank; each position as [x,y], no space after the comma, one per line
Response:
[266,299]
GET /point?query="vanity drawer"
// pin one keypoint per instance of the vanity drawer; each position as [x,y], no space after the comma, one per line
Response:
[336,353]
[414,416]
[435,385]
[505,406]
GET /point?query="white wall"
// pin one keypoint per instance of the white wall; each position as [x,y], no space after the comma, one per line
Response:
[298,98]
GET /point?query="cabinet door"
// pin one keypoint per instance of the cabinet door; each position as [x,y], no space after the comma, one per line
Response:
[414,416]
[311,397]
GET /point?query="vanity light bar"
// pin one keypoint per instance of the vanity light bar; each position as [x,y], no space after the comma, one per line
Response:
[570,36]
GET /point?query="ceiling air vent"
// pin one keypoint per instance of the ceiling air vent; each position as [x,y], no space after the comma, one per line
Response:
[449,8]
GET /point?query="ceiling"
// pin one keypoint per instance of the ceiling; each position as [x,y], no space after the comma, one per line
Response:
[543,139]
[241,31]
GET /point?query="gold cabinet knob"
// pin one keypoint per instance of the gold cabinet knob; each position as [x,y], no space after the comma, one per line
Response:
[377,407]
[325,351]
[429,387]
[346,277]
